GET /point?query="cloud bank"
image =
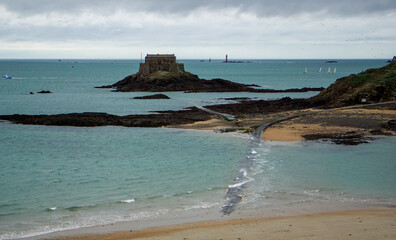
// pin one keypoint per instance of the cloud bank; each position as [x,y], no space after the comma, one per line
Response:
[197,29]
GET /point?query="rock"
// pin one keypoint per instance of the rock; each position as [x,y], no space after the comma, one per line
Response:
[162,81]
[237,99]
[262,106]
[344,139]
[390,125]
[89,119]
[155,96]
[43,92]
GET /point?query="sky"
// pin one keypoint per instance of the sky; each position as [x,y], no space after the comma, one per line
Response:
[198,29]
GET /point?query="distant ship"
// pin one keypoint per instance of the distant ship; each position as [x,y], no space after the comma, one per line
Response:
[6,77]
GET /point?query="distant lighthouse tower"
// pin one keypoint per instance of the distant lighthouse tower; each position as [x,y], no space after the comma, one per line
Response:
[226,58]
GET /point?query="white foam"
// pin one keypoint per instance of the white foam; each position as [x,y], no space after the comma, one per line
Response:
[52,208]
[239,184]
[128,200]
[244,172]
[253,151]
[202,205]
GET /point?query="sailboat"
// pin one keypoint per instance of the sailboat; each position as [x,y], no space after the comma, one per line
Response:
[320,69]
[305,71]
[335,69]
[329,70]
[6,77]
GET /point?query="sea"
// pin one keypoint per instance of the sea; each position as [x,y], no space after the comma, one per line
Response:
[57,178]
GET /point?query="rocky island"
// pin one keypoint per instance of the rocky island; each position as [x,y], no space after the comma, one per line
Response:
[162,73]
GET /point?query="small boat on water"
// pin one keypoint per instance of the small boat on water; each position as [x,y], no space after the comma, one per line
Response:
[335,69]
[320,69]
[329,70]
[6,77]
[306,70]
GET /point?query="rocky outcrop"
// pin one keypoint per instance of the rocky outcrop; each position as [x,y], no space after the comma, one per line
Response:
[263,106]
[164,81]
[155,96]
[88,119]
[44,92]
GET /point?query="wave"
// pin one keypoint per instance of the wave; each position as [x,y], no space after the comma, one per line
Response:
[132,200]
[76,208]
[201,205]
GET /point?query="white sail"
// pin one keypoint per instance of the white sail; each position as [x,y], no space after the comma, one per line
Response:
[320,69]
[306,70]
[335,69]
[329,70]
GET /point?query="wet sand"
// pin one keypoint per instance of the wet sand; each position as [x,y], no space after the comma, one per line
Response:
[313,124]
[359,122]
[377,223]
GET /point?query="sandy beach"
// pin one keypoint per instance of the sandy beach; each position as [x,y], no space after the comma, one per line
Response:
[375,223]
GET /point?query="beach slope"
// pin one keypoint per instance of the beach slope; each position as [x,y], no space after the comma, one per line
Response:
[373,224]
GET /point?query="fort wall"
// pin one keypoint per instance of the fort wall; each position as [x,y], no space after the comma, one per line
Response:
[160,62]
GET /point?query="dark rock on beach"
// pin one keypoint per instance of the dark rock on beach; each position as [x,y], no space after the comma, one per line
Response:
[155,96]
[263,106]
[339,138]
[390,125]
[237,99]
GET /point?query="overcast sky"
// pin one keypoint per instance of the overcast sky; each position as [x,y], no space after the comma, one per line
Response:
[198,29]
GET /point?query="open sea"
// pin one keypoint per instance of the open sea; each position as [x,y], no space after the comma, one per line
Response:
[60,178]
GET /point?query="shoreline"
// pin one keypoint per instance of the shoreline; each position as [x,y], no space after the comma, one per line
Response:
[354,223]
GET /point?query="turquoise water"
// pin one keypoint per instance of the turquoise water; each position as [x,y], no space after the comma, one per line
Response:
[57,178]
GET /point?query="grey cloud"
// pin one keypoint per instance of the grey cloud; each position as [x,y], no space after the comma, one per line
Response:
[259,7]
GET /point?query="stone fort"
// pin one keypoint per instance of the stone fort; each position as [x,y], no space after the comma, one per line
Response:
[160,62]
